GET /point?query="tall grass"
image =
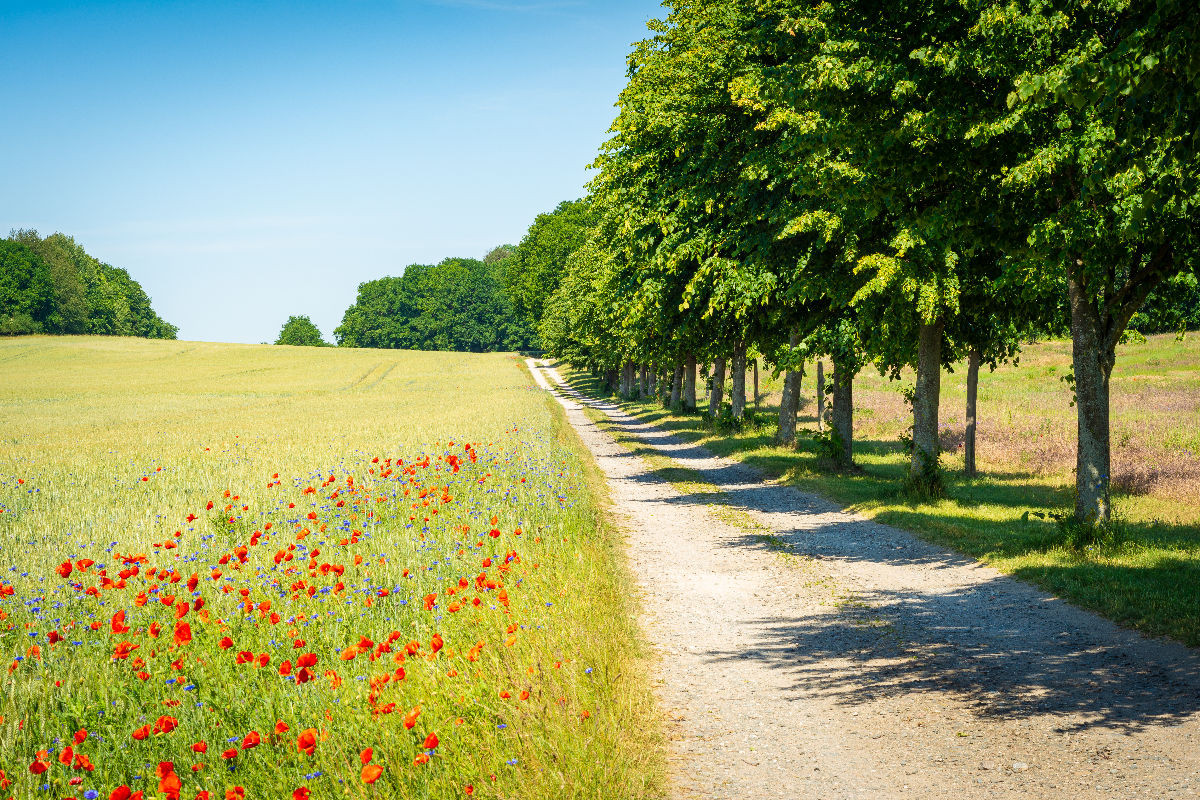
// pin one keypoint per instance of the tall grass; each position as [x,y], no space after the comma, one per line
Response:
[272,571]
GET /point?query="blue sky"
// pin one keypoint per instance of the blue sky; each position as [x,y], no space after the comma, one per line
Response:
[249,161]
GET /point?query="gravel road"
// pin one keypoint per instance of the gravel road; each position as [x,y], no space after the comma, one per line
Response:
[857,661]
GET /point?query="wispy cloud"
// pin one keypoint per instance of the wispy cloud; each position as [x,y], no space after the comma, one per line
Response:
[509,5]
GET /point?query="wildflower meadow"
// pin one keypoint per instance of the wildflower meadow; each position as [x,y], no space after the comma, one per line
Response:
[241,572]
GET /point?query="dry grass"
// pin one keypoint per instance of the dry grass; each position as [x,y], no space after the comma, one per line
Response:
[1026,424]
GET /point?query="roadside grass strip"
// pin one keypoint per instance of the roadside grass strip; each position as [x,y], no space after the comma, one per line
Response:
[1146,580]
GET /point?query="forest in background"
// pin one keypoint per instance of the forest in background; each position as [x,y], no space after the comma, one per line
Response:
[52,285]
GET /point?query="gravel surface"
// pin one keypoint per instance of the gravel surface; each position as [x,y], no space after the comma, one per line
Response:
[858,661]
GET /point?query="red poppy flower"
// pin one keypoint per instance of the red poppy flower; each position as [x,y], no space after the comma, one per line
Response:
[307,741]
[371,773]
[365,756]
[431,741]
[165,724]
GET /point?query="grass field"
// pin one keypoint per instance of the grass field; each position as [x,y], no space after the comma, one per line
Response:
[268,572]
[1149,581]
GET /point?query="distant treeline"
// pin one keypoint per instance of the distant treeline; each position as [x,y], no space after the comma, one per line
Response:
[467,304]
[499,303]
[52,285]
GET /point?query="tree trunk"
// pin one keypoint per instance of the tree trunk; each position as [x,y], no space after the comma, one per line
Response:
[756,384]
[612,378]
[843,412]
[628,380]
[676,387]
[738,398]
[1093,359]
[689,383]
[925,403]
[789,402]
[652,386]
[644,388]
[820,396]
[717,393]
[972,396]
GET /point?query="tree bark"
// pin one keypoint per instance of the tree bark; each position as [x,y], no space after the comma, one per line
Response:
[925,401]
[612,378]
[756,384]
[717,393]
[972,395]
[820,396]
[738,398]
[689,383]
[652,386]
[676,387]
[628,380]
[843,411]
[645,382]
[1093,358]
[789,402]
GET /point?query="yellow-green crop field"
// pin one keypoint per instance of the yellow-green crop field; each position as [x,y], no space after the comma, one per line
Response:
[269,572]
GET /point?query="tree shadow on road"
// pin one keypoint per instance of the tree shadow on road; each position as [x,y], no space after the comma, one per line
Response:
[1002,648]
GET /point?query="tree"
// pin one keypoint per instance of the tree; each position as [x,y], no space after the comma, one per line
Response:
[1103,186]
[300,331]
[70,312]
[88,296]
[533,270]
[26,292]
[458,304]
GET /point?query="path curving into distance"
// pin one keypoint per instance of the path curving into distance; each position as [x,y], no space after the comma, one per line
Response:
[839,658]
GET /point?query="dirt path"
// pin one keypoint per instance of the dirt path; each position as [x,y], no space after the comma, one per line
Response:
[857,661]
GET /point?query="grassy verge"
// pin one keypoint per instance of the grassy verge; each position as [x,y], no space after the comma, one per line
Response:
[243,571]
[1149,581]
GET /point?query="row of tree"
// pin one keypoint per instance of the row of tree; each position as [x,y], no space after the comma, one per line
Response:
[903,183]
[464,303]
[52,285]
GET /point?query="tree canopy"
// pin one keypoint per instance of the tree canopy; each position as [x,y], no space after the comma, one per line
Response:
[458,304]
[900,184]
[301,331]
[534,268]
[52,285]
